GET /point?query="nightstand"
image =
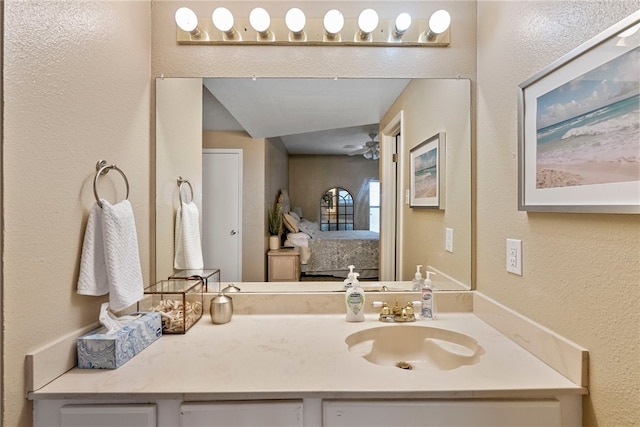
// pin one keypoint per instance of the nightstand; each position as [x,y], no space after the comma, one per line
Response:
[284,265]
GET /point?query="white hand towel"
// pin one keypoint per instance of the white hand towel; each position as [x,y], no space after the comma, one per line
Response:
[93,270]
[110,261]
[188,248]
[121,255]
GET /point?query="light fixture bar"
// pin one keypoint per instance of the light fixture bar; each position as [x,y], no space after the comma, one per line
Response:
[385,34]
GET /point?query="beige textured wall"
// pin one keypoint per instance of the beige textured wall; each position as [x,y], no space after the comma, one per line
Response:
[581,271]
[253,183]
[76,90]
[311,176]
[276,172]
[276,178]
[430,106]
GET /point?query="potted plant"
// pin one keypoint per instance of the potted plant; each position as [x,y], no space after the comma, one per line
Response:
[275,228]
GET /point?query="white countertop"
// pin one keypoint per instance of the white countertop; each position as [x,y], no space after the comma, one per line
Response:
[287,356]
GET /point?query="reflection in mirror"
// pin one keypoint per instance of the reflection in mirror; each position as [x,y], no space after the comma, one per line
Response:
[336,210]
[281,126]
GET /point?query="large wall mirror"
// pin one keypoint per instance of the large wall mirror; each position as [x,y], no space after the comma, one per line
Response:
[308,135]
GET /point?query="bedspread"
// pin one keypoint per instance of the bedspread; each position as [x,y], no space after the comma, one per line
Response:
[336,250]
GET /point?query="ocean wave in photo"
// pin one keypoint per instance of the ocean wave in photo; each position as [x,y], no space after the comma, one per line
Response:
[426,182]
[598,147]
[611,134]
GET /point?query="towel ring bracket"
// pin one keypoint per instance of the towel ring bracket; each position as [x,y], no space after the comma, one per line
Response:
[181,182]
[102,169]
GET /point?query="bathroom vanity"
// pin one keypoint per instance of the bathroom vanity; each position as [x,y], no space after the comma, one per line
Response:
[292,360]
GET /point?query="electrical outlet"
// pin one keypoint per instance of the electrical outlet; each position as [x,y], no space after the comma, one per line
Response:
[448,243]
[514,256]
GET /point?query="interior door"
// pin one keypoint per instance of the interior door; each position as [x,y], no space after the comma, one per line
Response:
[391,193]
[222,212]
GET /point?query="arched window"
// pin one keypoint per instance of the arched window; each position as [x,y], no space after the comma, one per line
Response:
[336,210]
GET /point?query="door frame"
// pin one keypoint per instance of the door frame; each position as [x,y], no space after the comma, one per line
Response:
[391,236]
[239,152]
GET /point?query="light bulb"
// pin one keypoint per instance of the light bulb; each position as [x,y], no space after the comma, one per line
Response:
[260,19]
[368,21]
[295,20]
[186,19]
[333,21]
[403,22]
[439,21]
[223,19]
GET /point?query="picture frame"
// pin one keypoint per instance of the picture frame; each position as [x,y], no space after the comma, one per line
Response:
[578,133]
[428,172]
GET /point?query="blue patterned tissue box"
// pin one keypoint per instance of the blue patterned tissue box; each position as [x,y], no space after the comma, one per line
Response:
[97,350]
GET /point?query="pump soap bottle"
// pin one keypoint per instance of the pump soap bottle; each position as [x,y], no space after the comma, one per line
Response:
[428,310]
[355,301]
[417,281]
[348,282]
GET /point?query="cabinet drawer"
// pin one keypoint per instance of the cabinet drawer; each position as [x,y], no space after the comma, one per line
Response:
[130,415]
[241,414]
[452,413]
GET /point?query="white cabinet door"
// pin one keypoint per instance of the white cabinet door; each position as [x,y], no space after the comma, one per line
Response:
[460,413]
[129,415]
[242,414]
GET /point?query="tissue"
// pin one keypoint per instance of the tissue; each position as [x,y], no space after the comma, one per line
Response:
[111,322]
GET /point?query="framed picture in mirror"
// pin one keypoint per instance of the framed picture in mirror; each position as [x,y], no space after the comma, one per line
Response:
[579,128]
[427,173]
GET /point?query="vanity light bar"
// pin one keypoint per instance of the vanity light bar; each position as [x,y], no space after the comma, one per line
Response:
[367,29]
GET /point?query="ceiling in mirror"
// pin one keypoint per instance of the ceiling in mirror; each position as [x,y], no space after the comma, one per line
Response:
[311,116]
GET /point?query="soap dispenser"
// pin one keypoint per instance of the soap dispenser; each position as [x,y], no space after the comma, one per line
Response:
[348,282]
[428,305]
[355,301]
[417,281]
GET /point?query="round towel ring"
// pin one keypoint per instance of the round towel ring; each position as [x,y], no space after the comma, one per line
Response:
[181,182]
[102,167]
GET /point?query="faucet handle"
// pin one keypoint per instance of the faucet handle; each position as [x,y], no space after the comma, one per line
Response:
[409,309]
[385,312]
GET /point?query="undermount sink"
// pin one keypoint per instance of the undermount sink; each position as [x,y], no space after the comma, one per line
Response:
[415,347]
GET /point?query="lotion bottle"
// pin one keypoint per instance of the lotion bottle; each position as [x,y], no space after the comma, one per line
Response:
[428,310]
[355,301]
[348,282]
[417,281]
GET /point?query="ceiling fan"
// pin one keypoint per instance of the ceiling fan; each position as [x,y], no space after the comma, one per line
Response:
[370,150]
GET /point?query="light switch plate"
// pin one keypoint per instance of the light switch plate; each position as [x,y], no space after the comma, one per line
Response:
[406,197]
[514,256]
[448,243]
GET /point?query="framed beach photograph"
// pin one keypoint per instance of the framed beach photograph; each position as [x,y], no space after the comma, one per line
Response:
[427,170]
[579,128]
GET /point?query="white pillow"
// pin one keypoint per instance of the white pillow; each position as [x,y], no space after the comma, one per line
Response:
[298,239]
[295,216]
[308,227]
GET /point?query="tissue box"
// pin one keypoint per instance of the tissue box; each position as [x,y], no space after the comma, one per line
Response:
[99,350]
[178,301]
